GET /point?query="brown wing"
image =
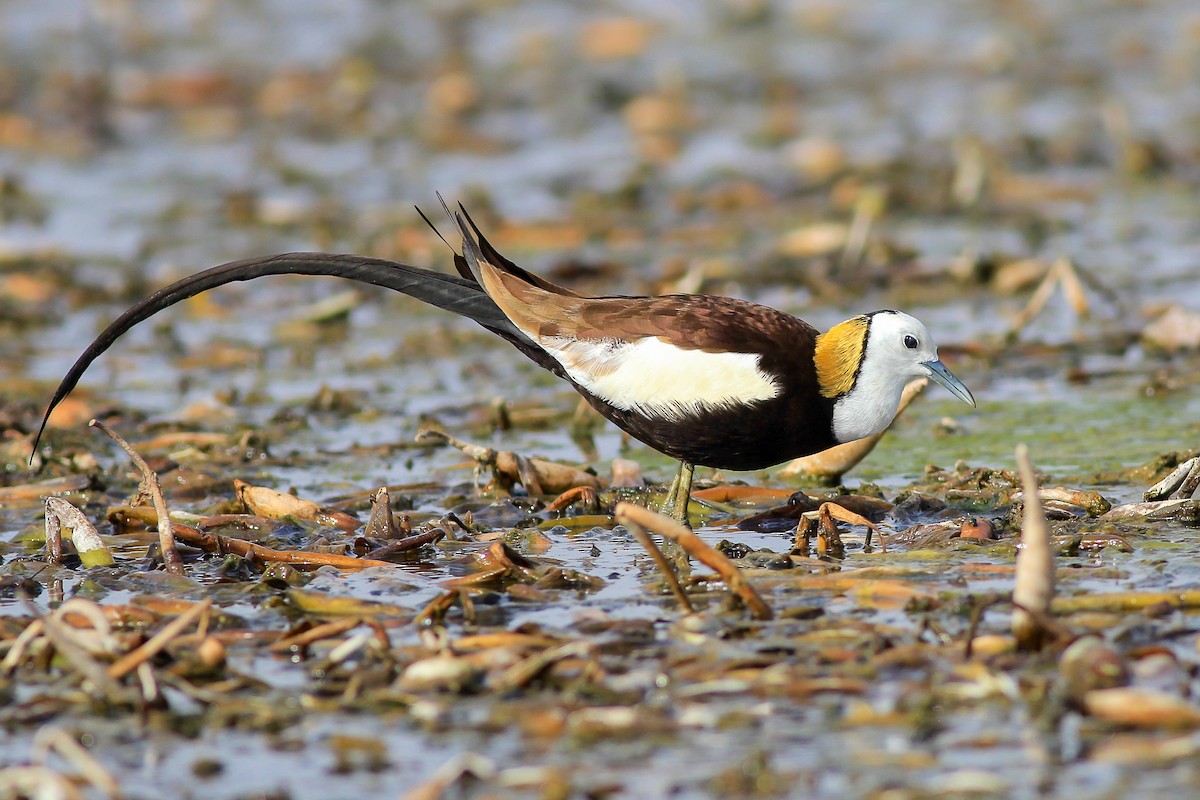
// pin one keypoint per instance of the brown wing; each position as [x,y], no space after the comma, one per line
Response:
[734,433]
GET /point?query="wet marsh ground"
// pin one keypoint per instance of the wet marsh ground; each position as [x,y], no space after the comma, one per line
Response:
[825,158]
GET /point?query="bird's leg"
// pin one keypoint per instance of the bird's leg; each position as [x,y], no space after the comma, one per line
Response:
[675,506]
[679,495]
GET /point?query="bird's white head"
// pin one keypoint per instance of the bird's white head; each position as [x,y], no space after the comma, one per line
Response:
[864,364]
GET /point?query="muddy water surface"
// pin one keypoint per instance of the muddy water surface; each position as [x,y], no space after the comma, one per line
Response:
[824,158]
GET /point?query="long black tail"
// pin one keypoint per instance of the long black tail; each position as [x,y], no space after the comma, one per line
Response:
[450,292]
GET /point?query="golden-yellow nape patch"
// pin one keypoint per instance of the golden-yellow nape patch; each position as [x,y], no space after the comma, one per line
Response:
[839,354]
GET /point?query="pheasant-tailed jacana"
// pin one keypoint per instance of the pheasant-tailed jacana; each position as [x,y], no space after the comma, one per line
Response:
[707,380]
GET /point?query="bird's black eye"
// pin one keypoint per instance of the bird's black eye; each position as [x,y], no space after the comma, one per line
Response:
[910,342]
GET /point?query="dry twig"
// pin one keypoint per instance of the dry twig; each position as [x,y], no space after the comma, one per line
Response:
[537,475]
[698,548]
[1061,273]
[216,543]
[155,644]
[325,630]
[829,541]
[150,486]
[584,495]
[92,670]
[663,565]
[407,544]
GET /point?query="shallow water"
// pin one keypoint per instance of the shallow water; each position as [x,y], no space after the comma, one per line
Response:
[328,121]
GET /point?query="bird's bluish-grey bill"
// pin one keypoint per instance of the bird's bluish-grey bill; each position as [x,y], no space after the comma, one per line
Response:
[938,371]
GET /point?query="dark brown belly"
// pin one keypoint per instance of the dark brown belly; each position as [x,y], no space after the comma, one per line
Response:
[737,438]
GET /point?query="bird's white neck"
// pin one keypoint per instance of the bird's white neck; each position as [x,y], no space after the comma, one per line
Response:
[868,408]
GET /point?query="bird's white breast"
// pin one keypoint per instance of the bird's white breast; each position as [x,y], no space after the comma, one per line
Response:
[656,377]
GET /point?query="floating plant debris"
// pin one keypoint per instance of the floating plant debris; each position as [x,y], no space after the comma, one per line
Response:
[288,593]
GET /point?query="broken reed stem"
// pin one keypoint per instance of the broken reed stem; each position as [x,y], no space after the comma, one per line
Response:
[407,544]
[216,543]
[75,655]
[1034,586]
[89,545]
[54,545]
[584,495]
[155,644]
[663,566]
[150,484]
[1062,272]
[537,475]
[831,511]
[524,672]
[433,612]
[325,630]
[698,548]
